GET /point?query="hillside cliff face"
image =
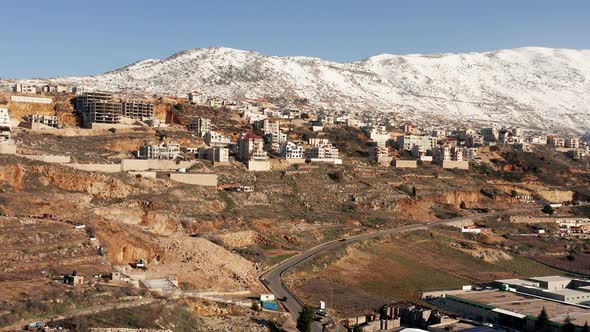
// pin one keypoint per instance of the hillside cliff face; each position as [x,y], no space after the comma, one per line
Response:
[536,87]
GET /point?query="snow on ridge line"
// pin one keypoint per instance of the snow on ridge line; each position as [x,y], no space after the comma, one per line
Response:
[547,87]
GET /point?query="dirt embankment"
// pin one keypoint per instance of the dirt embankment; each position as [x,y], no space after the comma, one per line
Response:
[470,198]
[204,264]
[20,176]
[556,196]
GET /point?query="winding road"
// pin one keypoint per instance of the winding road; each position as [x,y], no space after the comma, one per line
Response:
[272,278]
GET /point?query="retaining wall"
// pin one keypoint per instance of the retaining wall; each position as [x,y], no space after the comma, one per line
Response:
[54,159]
[148,164]
[104,168]
[196,179]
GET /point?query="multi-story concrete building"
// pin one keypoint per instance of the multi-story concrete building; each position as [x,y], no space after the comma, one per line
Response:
[98,107]
[446,153]
[215,138]
[318,141]
[48,120]
[469,154]
[572,143]
[4,118]
[407,142]
[377,134]
[325,151]
[490,134]
[54,88]
[197,98]
[138,109]
[292,150]
[163,151]
[24,88]
[555,142]
[200,125]
[380,153]
[248,144]
[216,154]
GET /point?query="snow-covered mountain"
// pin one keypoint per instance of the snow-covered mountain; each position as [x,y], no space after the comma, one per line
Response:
[539,87]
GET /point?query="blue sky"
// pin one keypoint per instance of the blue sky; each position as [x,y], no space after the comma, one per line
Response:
[63,37]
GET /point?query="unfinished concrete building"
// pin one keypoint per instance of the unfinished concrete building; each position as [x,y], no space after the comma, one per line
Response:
[48,120]
[98,107]
[138,109]
[163,151]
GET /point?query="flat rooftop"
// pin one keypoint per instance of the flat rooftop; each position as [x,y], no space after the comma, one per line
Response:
[529,305]
[551,278]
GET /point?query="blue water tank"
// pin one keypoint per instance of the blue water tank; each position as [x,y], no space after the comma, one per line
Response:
[269,305]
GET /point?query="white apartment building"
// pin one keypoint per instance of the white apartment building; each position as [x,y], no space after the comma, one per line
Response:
[377,134]
[197,98]
[555,142]
[216,154]
[379,153]
[162,151]
[446,153]
[4,118]
[291,150]
[318,141]
[251,146]
[469,154]
[407,142]
[215,138]
[466,133]
[325,151]
[24,88]
[439,133]
[200,125]
[572,143]
[490,134]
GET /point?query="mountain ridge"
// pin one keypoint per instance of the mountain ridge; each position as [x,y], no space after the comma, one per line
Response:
[542,87]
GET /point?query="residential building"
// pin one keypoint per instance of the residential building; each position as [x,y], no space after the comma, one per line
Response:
[318,141]
[54,88]
[572,143]
[407,142]
[163,151]
[292,150]
[377,134]
[555,142]
[197,98]
[474,140]
[48,120]
[380,153]
[248,145]
[490,134]
[4,118]
[469,154]
[24,88]
[200,125]
[215,138]
[216,102]
[78,90]
[324,151]
[214,154]
[138,109]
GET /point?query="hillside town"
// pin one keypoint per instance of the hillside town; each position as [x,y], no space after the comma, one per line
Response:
[210,145]
[272,132]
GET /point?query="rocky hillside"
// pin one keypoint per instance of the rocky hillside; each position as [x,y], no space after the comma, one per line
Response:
[536,87]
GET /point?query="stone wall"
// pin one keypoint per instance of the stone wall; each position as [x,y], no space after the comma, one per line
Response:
[148,164]
[47,158]
[405,163]
[196,179]
[458,164]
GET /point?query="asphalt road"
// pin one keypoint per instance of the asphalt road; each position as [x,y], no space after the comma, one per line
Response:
[272,278]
